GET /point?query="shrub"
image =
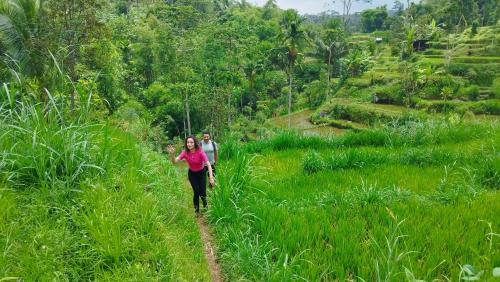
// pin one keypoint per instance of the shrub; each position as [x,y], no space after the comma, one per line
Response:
[435,52]
[448,81]
[433,87]
[471,74]
[484,73]
[312,162]
[496,88]
[395,50]
[366,138]
[488,173]
[489,107]
[458,69]
[359,114]
[388,94]
[484,77]
[354,158]
[475,25]
[430,91]
[315,93]
[471,92]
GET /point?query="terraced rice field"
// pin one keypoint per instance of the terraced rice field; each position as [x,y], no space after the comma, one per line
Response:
[356,210]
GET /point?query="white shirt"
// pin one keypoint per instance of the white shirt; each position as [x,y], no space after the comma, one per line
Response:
[209,150]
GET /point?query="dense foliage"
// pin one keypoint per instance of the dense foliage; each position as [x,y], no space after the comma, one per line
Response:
[90,91]
[209,64]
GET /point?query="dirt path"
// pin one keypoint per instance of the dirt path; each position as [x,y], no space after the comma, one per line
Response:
[209,250]
[206,238]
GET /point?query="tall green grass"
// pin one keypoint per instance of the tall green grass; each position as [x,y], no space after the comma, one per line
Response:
[232,185]
[85,201]
[305,221]
[244,255]
[40,149]
[484,160]
[394,134]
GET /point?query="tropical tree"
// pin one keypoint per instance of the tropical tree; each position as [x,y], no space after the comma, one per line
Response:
[446,92]
[374,19]
[184,85]
[72,24]
[102,62]
[186,91]
[407,43]
[251,64]
[22,36]
[356,63]
[293,37]
[410,80]
[346,9]
[331,44]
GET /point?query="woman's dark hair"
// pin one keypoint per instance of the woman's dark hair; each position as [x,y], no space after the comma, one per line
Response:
[196,145]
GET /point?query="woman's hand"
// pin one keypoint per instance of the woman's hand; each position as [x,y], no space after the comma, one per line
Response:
[171,149]
[212,181]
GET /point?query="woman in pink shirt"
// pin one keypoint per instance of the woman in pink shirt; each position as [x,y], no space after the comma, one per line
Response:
[197,160]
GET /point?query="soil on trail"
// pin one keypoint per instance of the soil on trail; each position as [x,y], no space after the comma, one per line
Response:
[209,249]
[206,238]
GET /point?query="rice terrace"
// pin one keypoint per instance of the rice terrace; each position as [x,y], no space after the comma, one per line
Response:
[265,140]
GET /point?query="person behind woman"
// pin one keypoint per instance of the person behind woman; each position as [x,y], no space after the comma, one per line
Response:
[197,160]
[211,150]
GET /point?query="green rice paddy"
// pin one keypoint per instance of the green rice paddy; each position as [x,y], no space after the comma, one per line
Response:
[362,212]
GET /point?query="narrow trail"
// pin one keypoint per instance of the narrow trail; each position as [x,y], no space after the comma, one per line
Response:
[209,249]
[208,245]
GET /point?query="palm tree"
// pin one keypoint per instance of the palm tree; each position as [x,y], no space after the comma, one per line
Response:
[331,45]
[292,36]
[21,36]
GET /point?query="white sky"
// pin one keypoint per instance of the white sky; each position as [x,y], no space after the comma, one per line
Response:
[318,6]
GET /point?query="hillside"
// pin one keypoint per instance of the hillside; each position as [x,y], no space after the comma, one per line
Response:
[348,147]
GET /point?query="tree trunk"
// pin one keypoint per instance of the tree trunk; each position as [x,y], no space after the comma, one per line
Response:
[184,123]
[241,100]
[187,114]
[346,11]
[290,76]
[329,72]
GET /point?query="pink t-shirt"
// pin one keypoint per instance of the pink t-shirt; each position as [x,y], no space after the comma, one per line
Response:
[196,161]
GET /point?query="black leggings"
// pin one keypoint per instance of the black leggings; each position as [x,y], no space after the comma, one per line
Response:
[198,182]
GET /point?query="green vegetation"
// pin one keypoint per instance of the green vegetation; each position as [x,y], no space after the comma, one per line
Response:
[84,201]
[388,168]
[491,107]
[364,212]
